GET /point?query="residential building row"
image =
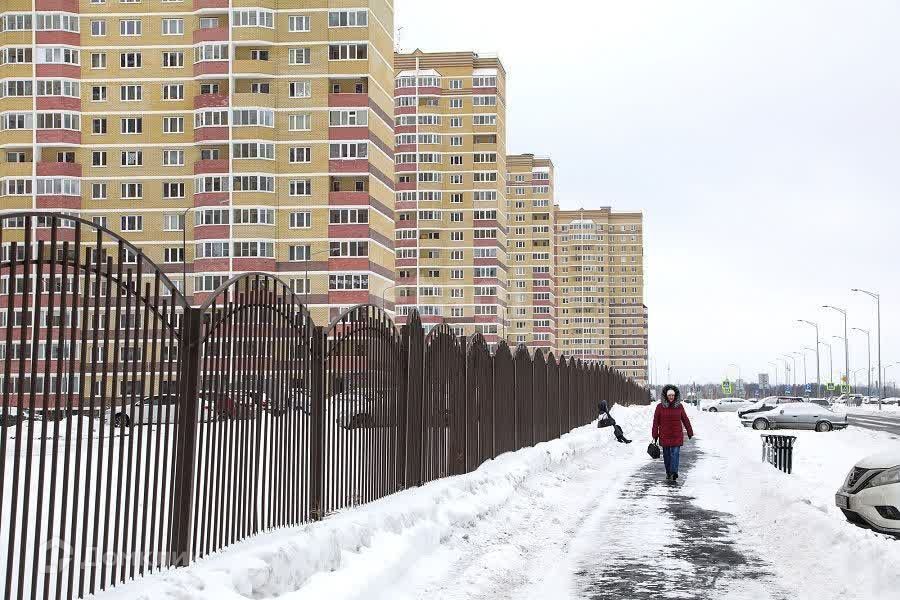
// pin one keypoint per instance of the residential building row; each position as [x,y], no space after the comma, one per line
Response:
[289,137]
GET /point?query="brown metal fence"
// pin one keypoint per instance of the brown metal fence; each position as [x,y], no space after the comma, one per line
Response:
[139,433]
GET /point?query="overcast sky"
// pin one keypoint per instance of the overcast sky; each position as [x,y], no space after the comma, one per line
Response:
[760,138]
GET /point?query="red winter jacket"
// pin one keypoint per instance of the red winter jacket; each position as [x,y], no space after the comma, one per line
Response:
[667,422]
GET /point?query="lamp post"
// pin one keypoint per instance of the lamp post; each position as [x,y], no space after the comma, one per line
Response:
[886,367]
[830,364]
[793,370]
[384,292]
[869,354]
[803,356]
[818,374]
[775,364]
[842,338]
[787,369]
[877,298]
[843,312]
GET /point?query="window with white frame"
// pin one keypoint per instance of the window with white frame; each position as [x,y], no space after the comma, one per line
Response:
[130,27]
[299,122]
[300,154]
[173,221]
[300,219]
[132,223]
[299,56]
[348,51]
[173,26]
[348,18]
[300,187]
[253,18]
[300,89]
[298,23]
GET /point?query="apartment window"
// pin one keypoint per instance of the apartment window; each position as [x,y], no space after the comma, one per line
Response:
[172,60]
[98,191]
[258,87]
[173,124]
[302,154]
[348,151]
[262,55]
[173,255]
[348,118]
[130,60]
[173,26]
[253,183]
[484,100]
[253,18]
[132,125]
[99,221]
[209,22]
[98,93]
[173,91]
[456,179]
[348,18]
[254,216]
[455,121]
[299,56]
[348,51]
[484,120]
[456,84]
[299,122]
[252,117]
[132,191]
[132,223]
[131,93]
[173,158]
[130,27]
[348,282]
[300,220]
[98,125]
[299,253]
[98,28]
[173,221]
[348,249]
[173,190]
[300,187]
[254,250]
[340,216]
[455,102]
[210,52]
[298,23]
[98,159]
[299,89]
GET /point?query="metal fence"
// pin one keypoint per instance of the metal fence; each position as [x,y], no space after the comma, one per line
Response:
[140,433]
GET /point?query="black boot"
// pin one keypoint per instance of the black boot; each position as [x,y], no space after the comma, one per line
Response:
[668,477]
[674,476]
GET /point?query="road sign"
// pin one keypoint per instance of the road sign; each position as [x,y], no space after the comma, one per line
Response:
[726,387]
[809,389]
[845,389]
[787,391]
[756,393]
[830,387]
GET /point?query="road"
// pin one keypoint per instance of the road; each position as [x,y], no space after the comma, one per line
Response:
[888,422]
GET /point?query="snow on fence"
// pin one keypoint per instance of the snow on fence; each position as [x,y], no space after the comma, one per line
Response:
[140,433]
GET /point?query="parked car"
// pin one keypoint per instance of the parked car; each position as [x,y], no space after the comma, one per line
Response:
[851,400]
[768,403]
[819,401]
[727,405]
[870,494]
[149,410]
[796,415]
[891,401]
[356,409]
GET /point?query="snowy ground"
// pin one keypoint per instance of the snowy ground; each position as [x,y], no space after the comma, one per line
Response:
[580,517]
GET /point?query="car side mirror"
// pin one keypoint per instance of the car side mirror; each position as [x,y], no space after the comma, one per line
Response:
[782,412]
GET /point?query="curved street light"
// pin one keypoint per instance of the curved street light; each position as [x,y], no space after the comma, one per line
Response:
[818,372]
[843,312]
[869,354]
[877,297]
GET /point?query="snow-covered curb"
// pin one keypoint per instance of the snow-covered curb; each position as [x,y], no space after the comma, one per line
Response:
[792,519]
[376,541]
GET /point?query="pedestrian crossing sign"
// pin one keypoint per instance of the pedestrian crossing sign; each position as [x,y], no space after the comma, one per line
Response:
[830,387]
[845,389]
[726,386]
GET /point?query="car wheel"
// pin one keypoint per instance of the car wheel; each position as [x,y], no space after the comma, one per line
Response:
[760,424]
[823,426]
[121,420]
[713,409]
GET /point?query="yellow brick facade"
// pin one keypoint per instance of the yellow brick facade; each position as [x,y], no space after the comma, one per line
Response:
[600,289]
[532,270]
[450,125]
[268,123]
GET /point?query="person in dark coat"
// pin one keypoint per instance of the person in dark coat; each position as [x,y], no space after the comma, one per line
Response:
[667,429]
[606,420]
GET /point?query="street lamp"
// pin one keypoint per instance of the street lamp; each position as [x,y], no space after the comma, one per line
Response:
[830,364]
[794,370]
[877,298]
[886,367]
[843,312]
[869,353]
[384,292]
[818,374]
[787,368]
[803,356]
[775,364]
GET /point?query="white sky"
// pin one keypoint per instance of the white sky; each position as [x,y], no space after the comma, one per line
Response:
[761,139]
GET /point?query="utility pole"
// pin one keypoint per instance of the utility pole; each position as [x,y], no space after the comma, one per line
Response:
[818,374]
[843,312]
[869,353]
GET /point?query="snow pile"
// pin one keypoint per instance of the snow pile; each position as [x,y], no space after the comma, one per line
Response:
[357,552]
[792,519]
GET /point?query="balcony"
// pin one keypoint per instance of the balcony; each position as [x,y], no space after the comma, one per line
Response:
[208,4]
[253,68]
[66,38]
[202,167]
[348,100]
[211,134]
[211,101]
[59,169]
[65,71]
[243,99]
[58,103]
[212,34]
[69,6]
[58,136]
[211,68]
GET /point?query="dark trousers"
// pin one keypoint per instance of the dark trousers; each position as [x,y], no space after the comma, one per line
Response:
[671,455]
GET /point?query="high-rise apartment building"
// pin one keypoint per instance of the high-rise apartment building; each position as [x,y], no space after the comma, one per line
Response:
[451,232]
[263,126]
[532,270]
[600,289]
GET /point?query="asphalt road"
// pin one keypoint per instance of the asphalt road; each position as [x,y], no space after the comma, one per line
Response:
[888,421]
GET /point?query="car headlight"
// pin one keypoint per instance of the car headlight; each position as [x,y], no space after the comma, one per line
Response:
[886,477]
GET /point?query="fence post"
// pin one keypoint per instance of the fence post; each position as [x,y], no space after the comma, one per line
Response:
[317,437]
[186,437]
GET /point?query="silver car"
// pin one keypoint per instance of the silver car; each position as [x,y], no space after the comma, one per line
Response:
[796,415]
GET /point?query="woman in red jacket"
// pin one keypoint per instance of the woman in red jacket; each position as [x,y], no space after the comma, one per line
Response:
[667,422]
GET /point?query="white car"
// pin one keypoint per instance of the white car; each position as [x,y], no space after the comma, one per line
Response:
[727,405]
[871,492]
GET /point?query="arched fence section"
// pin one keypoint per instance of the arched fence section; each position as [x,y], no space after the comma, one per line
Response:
[140,433]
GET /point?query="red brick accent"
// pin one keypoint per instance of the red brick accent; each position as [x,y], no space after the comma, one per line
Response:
[61,202]
[58,136]
[211,67]
[348,198]
[348,100]
[348,133]
[60,169]
[58,103]
[211,232]
[66,38]
[201,4]
[211,199]
[349,166]
[214,34]
[68,71]
[206,134]
[202,167]
[211,101]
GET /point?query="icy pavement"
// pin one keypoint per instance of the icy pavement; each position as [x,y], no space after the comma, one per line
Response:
[660,544]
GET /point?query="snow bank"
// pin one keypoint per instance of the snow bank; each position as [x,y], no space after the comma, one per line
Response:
[792,519]
[356,552]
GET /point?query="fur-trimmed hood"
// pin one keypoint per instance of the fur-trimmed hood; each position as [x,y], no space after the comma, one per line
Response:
[664,401]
